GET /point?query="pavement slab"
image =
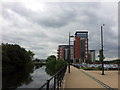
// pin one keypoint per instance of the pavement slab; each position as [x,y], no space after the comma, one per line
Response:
[77,79]
[110,78]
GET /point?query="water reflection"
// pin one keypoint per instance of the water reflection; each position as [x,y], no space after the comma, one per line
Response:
[16,79]
[39,78]
[37,66]
[50,71]
[33,78]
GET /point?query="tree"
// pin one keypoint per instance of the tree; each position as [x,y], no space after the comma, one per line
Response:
[101,56]
[54,65]
[14,58]
[51,62]
[59,64]
[31,54]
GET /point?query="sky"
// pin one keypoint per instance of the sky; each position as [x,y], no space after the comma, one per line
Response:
[42,26]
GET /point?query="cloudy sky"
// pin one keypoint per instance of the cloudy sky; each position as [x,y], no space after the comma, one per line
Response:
[42,26]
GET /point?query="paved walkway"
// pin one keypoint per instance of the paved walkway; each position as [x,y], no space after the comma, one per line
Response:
[110,78]
[77,79]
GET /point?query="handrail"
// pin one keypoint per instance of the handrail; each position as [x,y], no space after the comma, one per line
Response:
[42,86]
[58,77]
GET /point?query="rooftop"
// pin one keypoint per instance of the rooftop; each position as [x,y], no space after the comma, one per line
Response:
[81,32]
[65,45]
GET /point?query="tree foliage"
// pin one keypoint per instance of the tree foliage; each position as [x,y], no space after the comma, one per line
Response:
[53,65]
[31,54]
[14,57]
[59,64]
[101,55]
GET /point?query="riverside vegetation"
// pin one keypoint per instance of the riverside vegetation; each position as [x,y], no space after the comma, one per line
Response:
[53,65]
[15,58]
[16,63]
[17,66]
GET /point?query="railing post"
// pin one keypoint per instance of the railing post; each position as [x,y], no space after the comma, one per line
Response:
[58,77]
[55,82]
[58,81]
[47,88]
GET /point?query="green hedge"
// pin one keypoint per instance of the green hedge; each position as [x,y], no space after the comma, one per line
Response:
[91,68]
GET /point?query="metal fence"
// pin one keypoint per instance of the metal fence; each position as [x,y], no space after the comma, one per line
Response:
[57,80]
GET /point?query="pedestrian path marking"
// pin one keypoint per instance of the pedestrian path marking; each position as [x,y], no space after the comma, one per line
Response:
[106,86]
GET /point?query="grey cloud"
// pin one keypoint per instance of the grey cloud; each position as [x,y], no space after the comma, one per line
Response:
[18,8]
[59,17]
[43,31]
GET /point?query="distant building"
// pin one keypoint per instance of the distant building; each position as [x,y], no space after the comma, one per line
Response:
[72,52]
[78,51]
[63,52]
[91,56]
[66,52]
[61,49]
[81,46]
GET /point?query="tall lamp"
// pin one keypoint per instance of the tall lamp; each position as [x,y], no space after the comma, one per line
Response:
[102,55]
[69,54]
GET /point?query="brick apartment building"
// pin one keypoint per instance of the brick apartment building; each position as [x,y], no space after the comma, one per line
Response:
[81,46]
[78,51]
[63,51]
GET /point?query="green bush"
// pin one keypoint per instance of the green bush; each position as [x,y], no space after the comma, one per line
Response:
[53,65]
[59,64]
[92,68]
[87,68]
[51,62]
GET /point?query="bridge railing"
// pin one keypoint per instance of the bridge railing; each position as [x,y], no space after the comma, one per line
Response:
[57,80]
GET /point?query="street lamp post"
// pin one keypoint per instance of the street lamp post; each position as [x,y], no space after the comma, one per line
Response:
[69,53]
[102,56]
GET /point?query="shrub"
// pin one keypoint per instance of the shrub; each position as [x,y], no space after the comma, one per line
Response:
[59,64]
[53,65]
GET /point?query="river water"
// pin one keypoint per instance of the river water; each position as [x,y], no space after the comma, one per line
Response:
[31,80]
[39,77]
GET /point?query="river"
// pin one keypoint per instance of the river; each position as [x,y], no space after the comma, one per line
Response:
[39,77]
[33,80]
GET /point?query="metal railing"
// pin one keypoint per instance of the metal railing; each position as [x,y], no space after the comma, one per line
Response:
[57,80]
